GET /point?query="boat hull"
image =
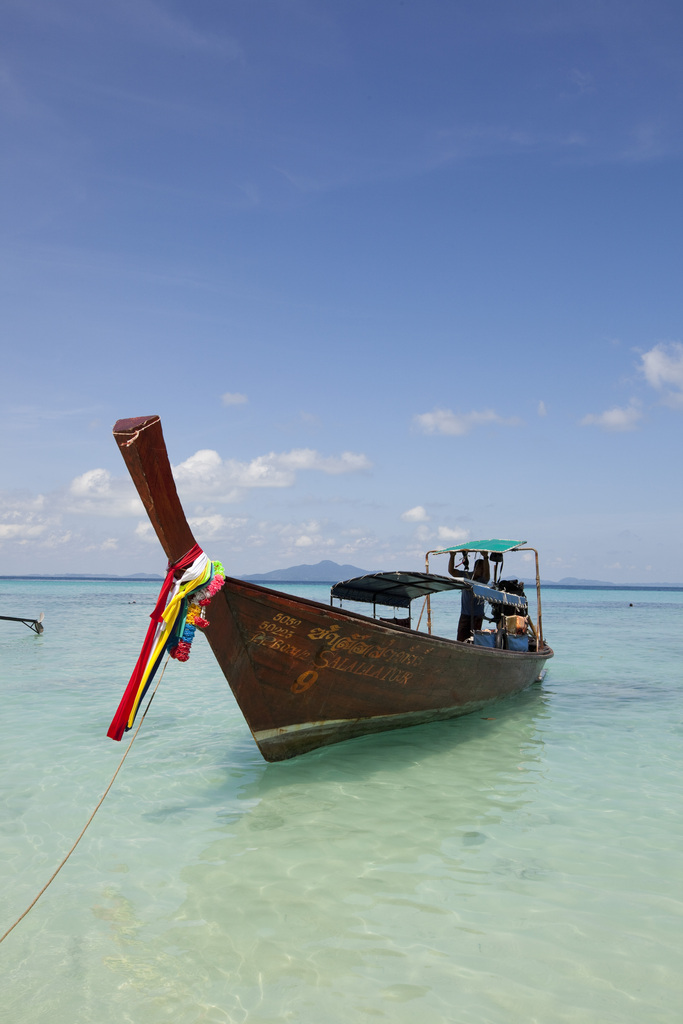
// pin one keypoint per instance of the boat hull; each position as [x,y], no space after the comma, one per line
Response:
[306,675]
[303,673]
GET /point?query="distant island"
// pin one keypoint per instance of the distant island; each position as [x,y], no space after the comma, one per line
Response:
[322,572]
[332,572]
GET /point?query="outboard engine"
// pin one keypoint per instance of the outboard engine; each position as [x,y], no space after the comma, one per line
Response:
[500,610]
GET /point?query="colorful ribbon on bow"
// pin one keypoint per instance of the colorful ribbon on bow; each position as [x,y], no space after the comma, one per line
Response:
[189,586]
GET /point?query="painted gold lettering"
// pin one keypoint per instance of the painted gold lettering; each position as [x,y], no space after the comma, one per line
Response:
[304,681]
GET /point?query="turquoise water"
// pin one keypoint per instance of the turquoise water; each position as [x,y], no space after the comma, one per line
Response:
[522,865]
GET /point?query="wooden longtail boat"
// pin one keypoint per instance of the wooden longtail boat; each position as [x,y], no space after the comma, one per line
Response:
[306,674]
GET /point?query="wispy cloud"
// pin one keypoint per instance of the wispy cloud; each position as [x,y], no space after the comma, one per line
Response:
[26,520]
[97,492]
[163,28]
[582,81]
[311,535]
[45,520]
[452,535]
[26,530]
[309,419]
[206,474]
[213,525]
[30,416]
[144,532]
[662,367]
[457,424]
[234,398]
[616,419]
[647,140]
[22,517]
[415,515]
[14,101]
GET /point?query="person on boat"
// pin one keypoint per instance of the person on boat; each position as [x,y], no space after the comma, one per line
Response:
[472,608]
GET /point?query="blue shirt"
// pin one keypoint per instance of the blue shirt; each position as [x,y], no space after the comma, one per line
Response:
[471,605]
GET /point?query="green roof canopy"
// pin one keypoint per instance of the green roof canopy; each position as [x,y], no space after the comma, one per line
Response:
[482,545]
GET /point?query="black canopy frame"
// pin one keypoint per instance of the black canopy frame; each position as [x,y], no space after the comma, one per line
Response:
[399,589]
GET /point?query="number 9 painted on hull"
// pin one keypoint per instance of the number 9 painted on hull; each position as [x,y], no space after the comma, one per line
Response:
[304,681]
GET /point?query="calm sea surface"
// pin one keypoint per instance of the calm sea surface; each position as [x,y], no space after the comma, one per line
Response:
[522,864]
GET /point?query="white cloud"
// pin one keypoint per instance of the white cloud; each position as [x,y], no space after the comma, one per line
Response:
[144,531]
[46,521]
[616,419]
[20,503]
[25,518]
[20,524]
[53,540]
[205,473]
[415,515]
[99,493]
[308,458]
[542,411]
[309,418]
[647,141]
[443,421]
[583,80]
[662,368]
[208,527]
[448,534]
[205,527]
[155,23]
[234,398]
[359,546]
[21,531]
[290,538]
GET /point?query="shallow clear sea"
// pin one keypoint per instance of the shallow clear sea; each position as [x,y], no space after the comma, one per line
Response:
[521,864]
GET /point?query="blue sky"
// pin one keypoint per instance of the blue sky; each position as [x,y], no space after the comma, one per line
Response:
[393,274]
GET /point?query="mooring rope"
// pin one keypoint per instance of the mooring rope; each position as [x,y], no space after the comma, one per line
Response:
[85,827]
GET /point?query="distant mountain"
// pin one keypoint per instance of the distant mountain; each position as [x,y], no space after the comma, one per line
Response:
[323,572]
[572,581]
[581,584]
[567,581]
[656,586]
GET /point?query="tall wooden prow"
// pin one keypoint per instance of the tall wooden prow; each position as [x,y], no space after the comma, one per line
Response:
[142,445]
[141,442]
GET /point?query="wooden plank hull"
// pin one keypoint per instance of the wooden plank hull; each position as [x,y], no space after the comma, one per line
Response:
[305,674]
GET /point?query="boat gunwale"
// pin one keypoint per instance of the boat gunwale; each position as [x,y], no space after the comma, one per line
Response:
[545,653]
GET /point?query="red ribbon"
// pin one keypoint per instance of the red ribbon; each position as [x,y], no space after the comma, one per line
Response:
[120,720]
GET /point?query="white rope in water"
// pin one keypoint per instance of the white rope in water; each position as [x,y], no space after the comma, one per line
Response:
[85,827]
